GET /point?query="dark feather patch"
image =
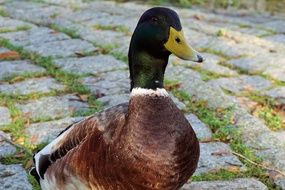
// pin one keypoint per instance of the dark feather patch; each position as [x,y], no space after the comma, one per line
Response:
[44,163]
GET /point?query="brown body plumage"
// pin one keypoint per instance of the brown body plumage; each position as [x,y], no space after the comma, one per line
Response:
[136,151]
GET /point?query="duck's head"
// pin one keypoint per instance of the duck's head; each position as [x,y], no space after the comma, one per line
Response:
[157,35]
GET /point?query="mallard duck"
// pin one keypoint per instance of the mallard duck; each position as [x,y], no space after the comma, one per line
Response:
[146,143]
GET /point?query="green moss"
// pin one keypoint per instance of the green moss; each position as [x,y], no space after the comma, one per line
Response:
[221,32]
[94,107]
[180,3]
[23,76]
[21,157]
[220,175]
[120,56]
[33,96]
[18,124]
[215,52]
[207,75]
[122,29]
[3,12]
[107,48]
[18,28]
[34,182]
[69,31]
[244,26]
[271,118]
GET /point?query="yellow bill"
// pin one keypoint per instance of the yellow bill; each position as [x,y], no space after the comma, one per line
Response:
[177,45]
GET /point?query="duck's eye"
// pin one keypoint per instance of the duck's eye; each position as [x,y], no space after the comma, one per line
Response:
[177,40]
[154,19]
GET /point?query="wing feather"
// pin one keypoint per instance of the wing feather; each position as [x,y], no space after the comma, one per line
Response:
[74,135]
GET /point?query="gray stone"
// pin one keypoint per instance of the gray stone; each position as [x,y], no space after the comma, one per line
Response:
[14,177]
[176,71]
[11,68]
[178,103]
[241,83]
[211,64]
[269,64]
[13,25]
[279,38]
[35,85]
[90,65]
[3,50]
[276,72]
[105,38]
[109,83]
[235,184]
[215,156]
[48,131]
[5,147]
[35,36]
[232,49]
[112,100]
[37,13]
[277,94]
[52,107]
[276,25]
[5,117]
[280,183]
[197,89]
[63,48]
[202,131]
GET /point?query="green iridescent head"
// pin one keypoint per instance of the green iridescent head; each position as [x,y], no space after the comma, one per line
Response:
[157,35]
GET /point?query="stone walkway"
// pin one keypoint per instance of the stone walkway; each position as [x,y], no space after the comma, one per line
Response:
[57,55]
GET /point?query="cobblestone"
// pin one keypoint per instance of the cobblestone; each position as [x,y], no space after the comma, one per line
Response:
[216,156]
[63,48]
[90,65]
[12,68]
[277,94]
[47,131]
[14,177]
[5,147]
[242,83]
[35,85]
[116,82]
[236,184]
[202,131]
[4,116]
[34,37]
[52,107]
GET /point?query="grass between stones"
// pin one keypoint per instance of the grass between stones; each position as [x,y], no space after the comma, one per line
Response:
[122,29]
[104,49]
[3,12]
[265,109]
[206,75]
[268,111]
[19,121]
[70,32]
[18,28]
[222,124]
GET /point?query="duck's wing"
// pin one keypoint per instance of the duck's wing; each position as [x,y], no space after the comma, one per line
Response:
[75,134]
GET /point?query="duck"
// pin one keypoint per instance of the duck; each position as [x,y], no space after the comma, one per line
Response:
[144,144]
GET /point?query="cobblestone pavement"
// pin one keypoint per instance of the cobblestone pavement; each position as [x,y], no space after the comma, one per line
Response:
[58,56]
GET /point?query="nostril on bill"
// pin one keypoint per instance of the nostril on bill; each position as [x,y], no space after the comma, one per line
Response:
[177,40]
